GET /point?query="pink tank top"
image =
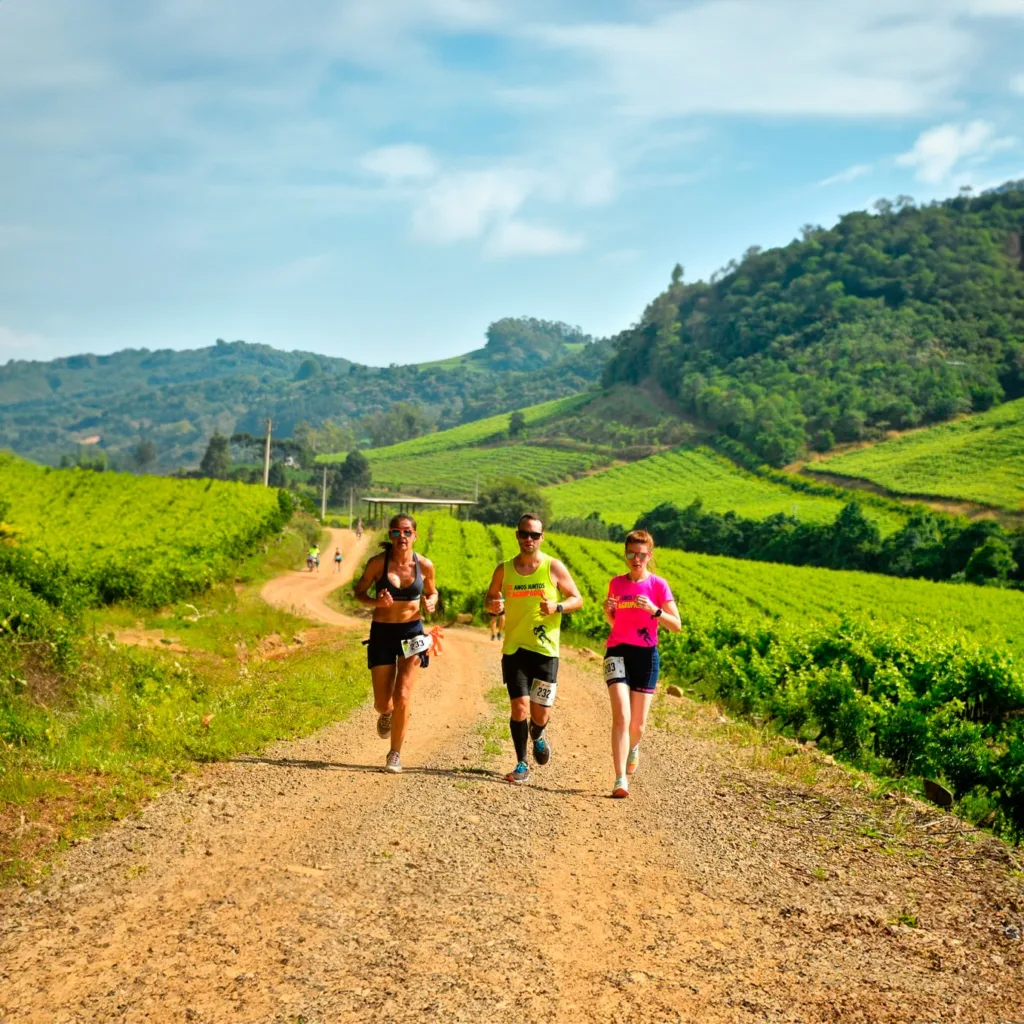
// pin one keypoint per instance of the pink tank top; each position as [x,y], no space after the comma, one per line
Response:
[633,625]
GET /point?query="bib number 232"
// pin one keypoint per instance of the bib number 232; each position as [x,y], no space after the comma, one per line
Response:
[416,645]
[543,692]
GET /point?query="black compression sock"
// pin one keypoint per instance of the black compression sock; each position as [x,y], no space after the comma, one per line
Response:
[536,730]
[520,734]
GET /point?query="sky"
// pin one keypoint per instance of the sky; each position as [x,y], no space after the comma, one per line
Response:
[380,179]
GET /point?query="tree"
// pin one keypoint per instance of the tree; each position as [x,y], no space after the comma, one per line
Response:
[309,369]
[144,455]
[504,501]
[991,560]
[216,461]
[354,475]
[277,476]
[516,424]
[677,273]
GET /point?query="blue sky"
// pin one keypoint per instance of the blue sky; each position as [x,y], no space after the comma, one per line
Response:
[381,179]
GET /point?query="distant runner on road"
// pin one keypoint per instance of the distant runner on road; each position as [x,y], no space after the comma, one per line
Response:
[397,647]
[313,558]
[497,625]
[637,603]
[337,559]
[533,590]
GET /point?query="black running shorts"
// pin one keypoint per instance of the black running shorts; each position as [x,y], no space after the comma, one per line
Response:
[635,666]
[520,669]
[385,644]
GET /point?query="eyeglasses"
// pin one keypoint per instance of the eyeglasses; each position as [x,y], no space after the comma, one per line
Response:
[528,534]
[637,556]
[400,533]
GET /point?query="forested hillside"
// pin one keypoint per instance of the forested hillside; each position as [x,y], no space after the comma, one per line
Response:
[903,317]
[176,400]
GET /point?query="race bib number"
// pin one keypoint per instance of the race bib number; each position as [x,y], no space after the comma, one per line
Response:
[614,669]
[543,693]
[416,645]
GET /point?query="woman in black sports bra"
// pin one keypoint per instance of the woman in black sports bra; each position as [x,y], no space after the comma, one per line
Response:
[397,647]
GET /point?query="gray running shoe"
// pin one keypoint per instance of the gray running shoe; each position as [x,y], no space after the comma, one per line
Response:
[393,764]
[384,725]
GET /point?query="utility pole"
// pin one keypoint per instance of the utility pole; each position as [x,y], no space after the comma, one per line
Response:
[350,523]
[266,459]
[323,497]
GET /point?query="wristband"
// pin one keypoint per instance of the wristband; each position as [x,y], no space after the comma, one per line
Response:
[558,607]
[657,614]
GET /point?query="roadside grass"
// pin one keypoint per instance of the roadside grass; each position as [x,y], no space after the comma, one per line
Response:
[129,720]
[494,729]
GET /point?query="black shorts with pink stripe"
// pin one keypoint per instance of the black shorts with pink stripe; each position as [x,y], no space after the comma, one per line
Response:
[638,669]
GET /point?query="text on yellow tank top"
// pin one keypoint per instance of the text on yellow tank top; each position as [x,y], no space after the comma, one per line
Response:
[525,626]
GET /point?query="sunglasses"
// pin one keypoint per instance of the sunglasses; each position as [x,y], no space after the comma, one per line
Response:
[635,556]
[400,533]
[528,534]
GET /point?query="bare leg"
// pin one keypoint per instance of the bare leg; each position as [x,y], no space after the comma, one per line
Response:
[520,709]
[407,671]
[621,725]
[383,677]
[640,705]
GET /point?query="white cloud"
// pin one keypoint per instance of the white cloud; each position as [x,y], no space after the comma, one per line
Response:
[400,163]
[519,238]
[775,57]
[463,206]
[1017,84]
[939,150]
[850,174]
[997,8]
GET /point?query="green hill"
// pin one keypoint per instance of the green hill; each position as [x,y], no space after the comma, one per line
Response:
[885,321]
[979,458]
[620,494]
[177,399]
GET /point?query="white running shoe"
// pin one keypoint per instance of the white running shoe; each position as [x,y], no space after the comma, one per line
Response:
[393,764]
[384,725]
[633,760]
[621,787]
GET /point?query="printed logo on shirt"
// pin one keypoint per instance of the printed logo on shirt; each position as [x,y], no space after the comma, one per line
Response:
[525,590]
[645,634]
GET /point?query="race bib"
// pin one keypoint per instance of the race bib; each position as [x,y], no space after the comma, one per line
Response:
[543,693]
[614,669]
[416,645]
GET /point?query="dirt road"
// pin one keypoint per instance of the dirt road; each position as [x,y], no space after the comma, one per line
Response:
[740,882]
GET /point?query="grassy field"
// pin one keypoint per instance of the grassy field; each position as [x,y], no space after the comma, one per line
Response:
[455,472]
[800,595]
[979,458]
[137,537]
[93,744]
[622,493]
[469,433]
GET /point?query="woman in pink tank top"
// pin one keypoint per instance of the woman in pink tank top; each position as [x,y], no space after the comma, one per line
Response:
[638,603]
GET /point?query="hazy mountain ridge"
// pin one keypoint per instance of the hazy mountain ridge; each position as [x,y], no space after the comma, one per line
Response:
[177,399]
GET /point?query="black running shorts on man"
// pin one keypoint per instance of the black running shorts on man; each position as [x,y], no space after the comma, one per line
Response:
[520,669]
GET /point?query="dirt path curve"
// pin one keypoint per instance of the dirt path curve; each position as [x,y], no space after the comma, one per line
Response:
[304,593]
[736,884]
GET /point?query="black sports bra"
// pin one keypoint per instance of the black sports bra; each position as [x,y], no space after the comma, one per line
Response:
[413,592]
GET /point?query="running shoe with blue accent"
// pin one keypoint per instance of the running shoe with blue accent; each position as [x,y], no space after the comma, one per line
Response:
[621,787]
[541,750]
[633,760]
[519,775]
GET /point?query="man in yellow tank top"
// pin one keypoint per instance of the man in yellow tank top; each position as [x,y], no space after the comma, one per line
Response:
[533,590]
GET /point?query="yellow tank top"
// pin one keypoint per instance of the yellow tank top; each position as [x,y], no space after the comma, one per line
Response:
[524,625]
